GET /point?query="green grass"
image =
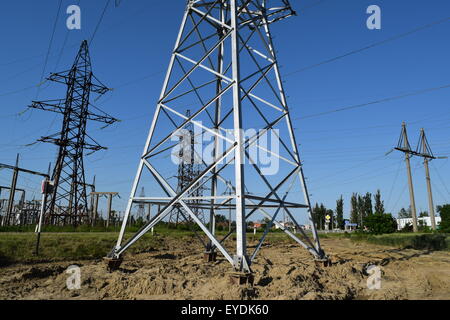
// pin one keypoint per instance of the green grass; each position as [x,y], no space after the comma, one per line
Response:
[18,247]
[426,241]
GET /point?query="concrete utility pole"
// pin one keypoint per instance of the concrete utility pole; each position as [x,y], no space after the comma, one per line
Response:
[424,151]
[404,146]
[430,195]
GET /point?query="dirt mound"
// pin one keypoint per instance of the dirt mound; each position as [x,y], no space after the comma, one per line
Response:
[41,273]
[281,272]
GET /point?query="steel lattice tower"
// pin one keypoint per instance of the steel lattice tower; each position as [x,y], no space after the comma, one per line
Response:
[188,169]
[67,203]
[224,69]
[141,205]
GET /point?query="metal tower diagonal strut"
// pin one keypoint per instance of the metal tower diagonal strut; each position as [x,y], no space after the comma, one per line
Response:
[67,202]
[224,68]
[188,170]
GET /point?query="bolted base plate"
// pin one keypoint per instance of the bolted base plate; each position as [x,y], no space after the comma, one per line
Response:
[241,278]
[112,264]
[326,262]
[210,256]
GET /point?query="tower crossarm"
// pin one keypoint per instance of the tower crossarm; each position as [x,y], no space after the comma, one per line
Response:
[101,116]
[423,147]
[408,151]
[59,106]
[257,12]
[70,143]
[274,11]
[99,87]
[65,77]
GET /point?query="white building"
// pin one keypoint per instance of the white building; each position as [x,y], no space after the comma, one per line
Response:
[401,223]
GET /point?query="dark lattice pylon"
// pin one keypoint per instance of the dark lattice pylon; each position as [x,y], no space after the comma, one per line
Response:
[67,203]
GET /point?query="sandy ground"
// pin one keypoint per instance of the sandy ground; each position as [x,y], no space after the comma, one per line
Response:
[282,271]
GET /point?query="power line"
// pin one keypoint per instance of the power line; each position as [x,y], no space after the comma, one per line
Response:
[99,21]
[435,187]
[348,169]
[357,106]
[64,44]
[357,178]
[376,44]
[23,89]
[50,45]
[393,184]
[404,189]
[440,178]
[138,80]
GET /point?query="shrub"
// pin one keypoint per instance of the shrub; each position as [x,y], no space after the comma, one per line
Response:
[381,223]
[444,212]
[429,242]
[407,228]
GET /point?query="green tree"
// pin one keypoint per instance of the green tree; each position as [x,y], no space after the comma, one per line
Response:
[361,211]
[322,214]
[221,218]
[381,223]
[340,213]
[319,213]
[368,210]
[404,213]
[444,212]
[329,212]
[423,214]
[379,205]
[354,210]
[315,214]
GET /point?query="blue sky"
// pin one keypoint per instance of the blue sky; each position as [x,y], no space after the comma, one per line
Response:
[343,152]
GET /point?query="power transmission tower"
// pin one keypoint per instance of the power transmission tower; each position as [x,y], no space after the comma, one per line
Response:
[141,205]
[424,150]
[67,203]
[188,169]
[224,69]
[404,146]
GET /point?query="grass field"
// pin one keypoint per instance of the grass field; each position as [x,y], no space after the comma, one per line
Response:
[18,247]
[428,241]
[408,240]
